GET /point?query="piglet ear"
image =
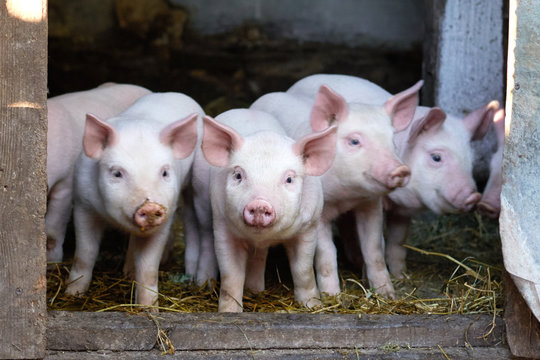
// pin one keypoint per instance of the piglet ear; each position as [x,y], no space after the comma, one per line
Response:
[328,109]
[318,150]
[479,120]
[219,141]
[498,123]
[401,106]
[181,136]
[97,136]
[432,121]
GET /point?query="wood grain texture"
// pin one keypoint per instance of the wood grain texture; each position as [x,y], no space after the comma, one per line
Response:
[522,327]
[23,128]
[85,331]
[454,353]
[463,54]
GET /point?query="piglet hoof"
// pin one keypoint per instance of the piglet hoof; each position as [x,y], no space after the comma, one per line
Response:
[387,291]
[488,210]
[312,303]
[471,201]
[228,303]
[75,290]
[398,270]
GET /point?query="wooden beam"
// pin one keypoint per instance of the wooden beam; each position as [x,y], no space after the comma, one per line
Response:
[454,353]
[85,331]
[463,54]
[520,195]
[23,181]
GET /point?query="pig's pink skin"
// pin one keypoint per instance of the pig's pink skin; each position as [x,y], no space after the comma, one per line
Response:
[252,160]
[137,159]
[443,187]
[66,117]
[446,186]
[490,204]
[360,175]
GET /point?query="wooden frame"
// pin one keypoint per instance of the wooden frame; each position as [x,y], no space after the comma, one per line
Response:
[23,180]
[23,315]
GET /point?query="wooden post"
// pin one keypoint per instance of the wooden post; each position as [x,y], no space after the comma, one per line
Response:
[463,54]
[23,130]
[520,196]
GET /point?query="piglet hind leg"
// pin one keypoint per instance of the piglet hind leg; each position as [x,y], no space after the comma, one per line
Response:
[369,223]
[326,260]
[192,239]
[301,253]
[57,218]
[256,266]
[88,231]
[397,229]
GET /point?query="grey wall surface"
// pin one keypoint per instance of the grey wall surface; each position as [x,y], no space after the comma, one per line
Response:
[396,24]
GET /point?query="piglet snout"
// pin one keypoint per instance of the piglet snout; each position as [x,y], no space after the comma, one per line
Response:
[259,213]
[399,177]
[149,215]
[471,201]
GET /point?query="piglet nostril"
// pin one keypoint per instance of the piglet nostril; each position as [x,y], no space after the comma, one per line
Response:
[259,213]
[149,214]
[399,177]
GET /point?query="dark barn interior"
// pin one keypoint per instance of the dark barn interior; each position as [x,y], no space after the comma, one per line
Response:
[156,44]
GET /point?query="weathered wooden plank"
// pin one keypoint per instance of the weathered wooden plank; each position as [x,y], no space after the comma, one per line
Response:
[382,353]
[520,195]
[100,331]
[463,54]
[522,327]
[23,92]
[73,331]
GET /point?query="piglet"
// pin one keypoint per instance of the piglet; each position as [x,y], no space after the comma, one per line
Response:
[365,169]
[490,203]
[437,148]
[130,177]
[264,191]
[66,117]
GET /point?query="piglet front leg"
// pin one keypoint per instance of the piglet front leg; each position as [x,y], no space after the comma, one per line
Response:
[232,259]
[147,253]
[301,252]
[369,224]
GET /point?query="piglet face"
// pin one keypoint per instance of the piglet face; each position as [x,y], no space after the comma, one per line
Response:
[261,186]
[366,159]
[264,185]
[440,159]
[138,178]
[138,185]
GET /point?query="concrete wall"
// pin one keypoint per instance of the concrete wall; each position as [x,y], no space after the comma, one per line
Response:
[389,23]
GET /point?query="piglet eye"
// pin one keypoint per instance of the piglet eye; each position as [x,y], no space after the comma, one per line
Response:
[354,142]
[237,175]
[436,157]
[117,173]
[289,180]
[165,173]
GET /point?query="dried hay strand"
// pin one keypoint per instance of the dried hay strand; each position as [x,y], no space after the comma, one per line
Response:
[436,282]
